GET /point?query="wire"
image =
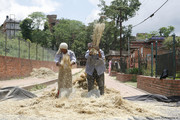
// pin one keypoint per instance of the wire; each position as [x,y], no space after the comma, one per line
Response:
[151,14]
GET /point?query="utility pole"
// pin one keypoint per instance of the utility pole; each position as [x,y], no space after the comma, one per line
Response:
[174,56]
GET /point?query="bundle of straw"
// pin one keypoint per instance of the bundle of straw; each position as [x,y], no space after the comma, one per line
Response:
[97,34]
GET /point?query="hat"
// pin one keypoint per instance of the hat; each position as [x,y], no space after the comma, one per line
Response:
[63,46]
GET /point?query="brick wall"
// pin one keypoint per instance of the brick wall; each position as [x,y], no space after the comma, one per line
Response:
[156,86]
[11,67]
[124,77]
[113,73]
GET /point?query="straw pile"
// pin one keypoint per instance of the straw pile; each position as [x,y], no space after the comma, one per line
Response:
[42,72]
[77,107]
[81,81]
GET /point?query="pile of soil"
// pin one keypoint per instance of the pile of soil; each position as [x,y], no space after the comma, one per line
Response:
[42,72]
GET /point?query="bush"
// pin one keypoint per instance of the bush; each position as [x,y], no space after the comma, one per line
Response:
[178,75]
[134,78]
[132,71]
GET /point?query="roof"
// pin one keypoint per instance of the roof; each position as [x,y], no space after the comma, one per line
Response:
[156,38]
[11,20]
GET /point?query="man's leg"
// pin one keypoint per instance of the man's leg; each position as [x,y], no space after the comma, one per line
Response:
[100,82]
[90,80]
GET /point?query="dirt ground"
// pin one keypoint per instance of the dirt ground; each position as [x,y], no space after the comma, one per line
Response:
[111,106]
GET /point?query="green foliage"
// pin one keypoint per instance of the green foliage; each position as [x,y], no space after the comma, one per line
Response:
[134,84]
[134,78]
[38,87]
[26,28]
[128,8]
[118,12]
[107,41]
[12,49]
[2,43]
[132,71]
[38,19]
[46,26]
[146,72]
[165,31]
[144,36]
[168,43]
[73,33]
[154,33]
[178,74]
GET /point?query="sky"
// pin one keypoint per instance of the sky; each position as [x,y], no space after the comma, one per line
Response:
[87,11]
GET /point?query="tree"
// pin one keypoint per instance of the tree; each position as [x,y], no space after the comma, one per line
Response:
[73,33]
[107,41]
[168,43]
[38,19]
[126,35]
[119,11]
[26,28]
[46,26]
[166,31]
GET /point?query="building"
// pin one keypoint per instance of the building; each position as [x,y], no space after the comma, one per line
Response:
[52,20]
[144,47]
[10,27]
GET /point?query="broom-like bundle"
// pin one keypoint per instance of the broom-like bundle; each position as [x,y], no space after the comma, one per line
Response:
[97,33]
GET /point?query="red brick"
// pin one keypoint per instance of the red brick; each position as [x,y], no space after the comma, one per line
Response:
[11,67]
[155,85]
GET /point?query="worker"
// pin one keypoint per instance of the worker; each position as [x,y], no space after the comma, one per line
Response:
[65,74]
[95,68]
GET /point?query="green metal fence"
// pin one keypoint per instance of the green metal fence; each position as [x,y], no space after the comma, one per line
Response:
[24,49]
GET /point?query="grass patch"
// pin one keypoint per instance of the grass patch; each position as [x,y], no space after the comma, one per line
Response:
[38,87]
[13,49]
[134,84]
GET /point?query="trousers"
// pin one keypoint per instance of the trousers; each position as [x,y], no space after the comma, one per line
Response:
[99,79]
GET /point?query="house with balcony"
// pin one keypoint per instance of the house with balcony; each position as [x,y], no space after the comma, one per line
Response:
[10,27]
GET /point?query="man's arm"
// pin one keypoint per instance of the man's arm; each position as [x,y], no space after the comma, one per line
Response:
[88,54]
[56,60]
[101,54]
[72,58]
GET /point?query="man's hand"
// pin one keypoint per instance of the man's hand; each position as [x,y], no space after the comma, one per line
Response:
[72,63]
[90,52]
[58,64]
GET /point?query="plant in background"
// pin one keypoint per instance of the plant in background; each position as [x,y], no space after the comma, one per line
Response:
[134,78]
[38,87]
[132,71]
